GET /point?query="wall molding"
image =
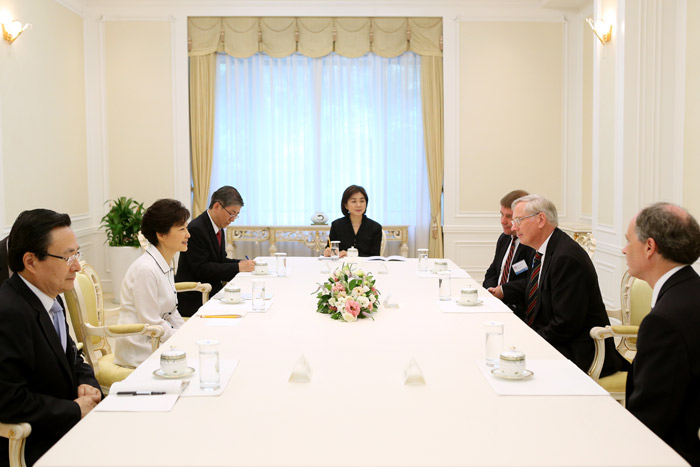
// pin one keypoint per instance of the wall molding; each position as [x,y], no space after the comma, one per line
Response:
[76,6]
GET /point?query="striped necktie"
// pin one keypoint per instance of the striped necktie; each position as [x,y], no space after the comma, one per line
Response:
[509,260]
[59,322]
[533,288]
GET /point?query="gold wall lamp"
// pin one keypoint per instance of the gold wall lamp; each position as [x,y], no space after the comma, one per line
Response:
[11,28]
[601,29]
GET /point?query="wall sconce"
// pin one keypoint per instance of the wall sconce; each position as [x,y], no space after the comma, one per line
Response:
[601,30]
[11,29]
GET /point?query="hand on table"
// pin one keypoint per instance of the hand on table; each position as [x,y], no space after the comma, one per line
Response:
[88,398]
[496,292]
[246,265]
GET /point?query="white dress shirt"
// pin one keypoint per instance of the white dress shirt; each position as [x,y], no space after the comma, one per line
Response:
[148,296]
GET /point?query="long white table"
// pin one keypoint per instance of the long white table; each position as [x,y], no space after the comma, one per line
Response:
[356,409]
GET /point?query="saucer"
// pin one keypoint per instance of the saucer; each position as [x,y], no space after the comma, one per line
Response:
[497,372]
[435,271]
[256,273]
[477,303]
[188,372]
[231,301]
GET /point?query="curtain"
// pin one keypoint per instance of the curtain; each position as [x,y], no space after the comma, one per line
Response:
[283,122]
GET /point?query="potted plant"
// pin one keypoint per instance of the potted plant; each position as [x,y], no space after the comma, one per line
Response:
[122,224]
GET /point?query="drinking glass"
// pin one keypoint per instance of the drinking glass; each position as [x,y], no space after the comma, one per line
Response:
[209,379]
[494,341]
[444,285]
[335,249]
[281,259]
[258,295]
[422,259]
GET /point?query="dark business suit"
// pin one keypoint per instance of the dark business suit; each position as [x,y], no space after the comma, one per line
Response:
[4,268]
[368,239]
[570,304]
[204,261]
[663,386]
[514,288]
[38,379]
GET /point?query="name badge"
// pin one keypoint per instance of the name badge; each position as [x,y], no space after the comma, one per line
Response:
[519,267]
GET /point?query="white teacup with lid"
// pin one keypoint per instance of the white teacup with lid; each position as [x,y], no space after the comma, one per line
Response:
[440,265]
[261,267]
[469,295]
[232,294]
[352,252]
[512,363]
[173,362]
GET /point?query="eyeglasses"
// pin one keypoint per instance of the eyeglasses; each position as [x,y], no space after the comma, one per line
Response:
[518,220]
[71,260]
[230,216]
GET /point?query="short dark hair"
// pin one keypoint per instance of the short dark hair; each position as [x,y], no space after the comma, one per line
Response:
[349,191]
[675,231]
[32,233]
[508,199]
[226,196]
[161,216]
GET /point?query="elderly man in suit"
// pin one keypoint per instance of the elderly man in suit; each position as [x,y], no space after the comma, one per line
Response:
[205,259]
[43,378]
[506,278]
[563,299]
[663,386]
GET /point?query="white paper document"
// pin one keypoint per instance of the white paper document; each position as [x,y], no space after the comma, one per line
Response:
[457,273]
[141,400]
[451,306]
[550,378]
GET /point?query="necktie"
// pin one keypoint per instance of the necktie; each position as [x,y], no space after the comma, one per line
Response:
[59,322]
[532,288]
[509,260]
[218,237]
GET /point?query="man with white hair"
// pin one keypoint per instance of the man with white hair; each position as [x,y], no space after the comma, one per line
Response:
[563,299]
[663,386]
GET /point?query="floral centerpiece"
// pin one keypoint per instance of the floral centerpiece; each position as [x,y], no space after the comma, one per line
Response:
[349,294]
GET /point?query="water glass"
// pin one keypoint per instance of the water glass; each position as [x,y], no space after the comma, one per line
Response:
[494,341]
[258,295]
[422,259]
[209,378]
[281,259]
[444,285]
[335,249]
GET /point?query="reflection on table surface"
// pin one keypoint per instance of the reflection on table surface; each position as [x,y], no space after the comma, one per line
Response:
[357,410]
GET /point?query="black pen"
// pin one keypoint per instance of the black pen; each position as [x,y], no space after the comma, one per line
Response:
[140,393]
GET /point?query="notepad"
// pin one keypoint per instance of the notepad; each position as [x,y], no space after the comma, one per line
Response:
[386,258]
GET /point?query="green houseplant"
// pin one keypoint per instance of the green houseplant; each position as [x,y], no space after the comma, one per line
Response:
[123,222]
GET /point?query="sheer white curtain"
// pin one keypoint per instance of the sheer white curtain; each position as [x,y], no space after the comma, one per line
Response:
[292,133]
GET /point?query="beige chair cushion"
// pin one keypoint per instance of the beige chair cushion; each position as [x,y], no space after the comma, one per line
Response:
[615,382]
[110,372]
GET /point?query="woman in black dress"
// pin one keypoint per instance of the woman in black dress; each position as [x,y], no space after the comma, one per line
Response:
[355,229]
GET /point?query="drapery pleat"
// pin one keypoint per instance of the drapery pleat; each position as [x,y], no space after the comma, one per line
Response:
[433,123]
[202,94]
[243,37]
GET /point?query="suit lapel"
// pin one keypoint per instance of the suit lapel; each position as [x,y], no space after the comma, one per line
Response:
[681,275]
[45,323]
[544,271]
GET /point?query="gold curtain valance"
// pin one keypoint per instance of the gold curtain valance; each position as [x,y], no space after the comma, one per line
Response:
[242,37]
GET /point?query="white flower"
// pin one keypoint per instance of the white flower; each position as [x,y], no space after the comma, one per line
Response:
[340,303]
[363,301]
[359,273]
[372,299]
[348,316]
[365,289]
[331,302]
[357,291]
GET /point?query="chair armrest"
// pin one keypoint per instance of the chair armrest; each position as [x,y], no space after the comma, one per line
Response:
[599,334]
[154,331]
[195,287]
[17,433]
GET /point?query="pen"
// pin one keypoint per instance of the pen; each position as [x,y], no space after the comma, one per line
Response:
[246,257]
[140,393]
[220,316]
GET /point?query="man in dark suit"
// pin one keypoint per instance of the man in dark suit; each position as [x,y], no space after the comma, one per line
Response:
[205,259]
[563,299]
[663,386]
[4,268]
[43,378]
[506,278]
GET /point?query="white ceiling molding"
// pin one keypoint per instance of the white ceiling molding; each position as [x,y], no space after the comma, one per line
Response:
[76,6]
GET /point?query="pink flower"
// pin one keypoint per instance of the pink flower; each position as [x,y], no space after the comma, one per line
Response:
[337,287]
[352,307]
[370,306]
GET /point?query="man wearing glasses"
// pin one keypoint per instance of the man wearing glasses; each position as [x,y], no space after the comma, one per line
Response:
[205,259]
[43,379]
[563,299]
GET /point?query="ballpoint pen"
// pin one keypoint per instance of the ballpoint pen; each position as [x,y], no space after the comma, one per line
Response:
[140,393]
[246,257]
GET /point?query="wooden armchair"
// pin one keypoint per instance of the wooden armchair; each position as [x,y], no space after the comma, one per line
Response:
[17,434]
[85,304]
